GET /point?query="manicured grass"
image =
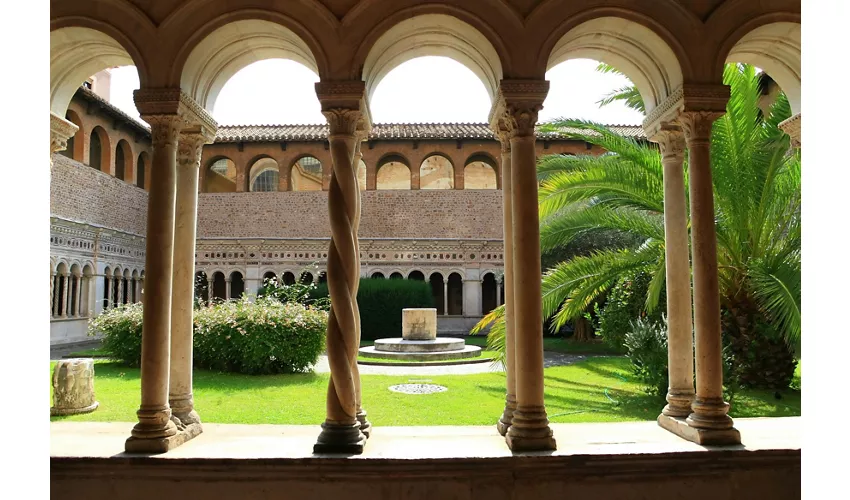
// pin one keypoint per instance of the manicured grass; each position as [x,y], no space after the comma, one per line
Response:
[484,354]
[557,344]
[97,352]
[598,389]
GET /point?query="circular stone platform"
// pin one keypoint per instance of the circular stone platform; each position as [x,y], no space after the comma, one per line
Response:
[402,345]
[469,351]
[418,388]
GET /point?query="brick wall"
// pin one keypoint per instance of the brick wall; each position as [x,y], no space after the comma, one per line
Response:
[385,214]
[81,193]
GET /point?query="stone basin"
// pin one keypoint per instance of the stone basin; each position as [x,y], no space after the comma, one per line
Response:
[403,345]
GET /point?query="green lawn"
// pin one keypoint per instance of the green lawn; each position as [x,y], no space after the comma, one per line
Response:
[595,390]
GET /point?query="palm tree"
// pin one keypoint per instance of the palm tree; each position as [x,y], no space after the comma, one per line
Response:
[757,202]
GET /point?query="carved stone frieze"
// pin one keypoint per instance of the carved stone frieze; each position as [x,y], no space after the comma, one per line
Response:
[794,128]
[173,101]
[60,131]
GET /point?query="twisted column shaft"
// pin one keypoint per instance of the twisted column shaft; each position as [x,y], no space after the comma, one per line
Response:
[510,335]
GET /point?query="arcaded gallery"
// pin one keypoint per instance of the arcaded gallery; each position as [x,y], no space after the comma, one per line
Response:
[172,214]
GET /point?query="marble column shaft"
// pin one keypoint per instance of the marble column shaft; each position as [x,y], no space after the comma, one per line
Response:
[510,329]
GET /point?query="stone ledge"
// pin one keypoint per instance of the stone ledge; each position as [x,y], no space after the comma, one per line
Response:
[162,445]
[679,427]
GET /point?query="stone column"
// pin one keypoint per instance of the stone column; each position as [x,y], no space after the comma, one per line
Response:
[67,292]
[180,397]
[109,282]
[227,288]
[341,431]
[709,411]
[794,128]
[472,294]
[529,428]
[78,305]
[154,414]
[680,346]
[502,132]
[445,296]
[209,291]
[361,134]
[119,299]
[54,293]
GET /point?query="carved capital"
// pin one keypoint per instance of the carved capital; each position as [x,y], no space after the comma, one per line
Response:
[342,121]
[688,97]
[168,101]
[164,129]
[60,131]
[793,127]
[189,148]
[517,105]
[697,126]
[671,141]
[502,132]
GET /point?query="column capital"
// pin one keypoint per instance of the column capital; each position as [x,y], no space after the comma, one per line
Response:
[671,140]
[688,97]
[793,127]
[344,102]
[60,131]
[342,121]
[516,107]
[190,145]
[173,101]
[165,128]
[697,125]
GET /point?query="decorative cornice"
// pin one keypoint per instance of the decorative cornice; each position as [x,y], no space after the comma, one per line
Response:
[173,101]
[688,97]
[342,94]
[794,128]
[60,131]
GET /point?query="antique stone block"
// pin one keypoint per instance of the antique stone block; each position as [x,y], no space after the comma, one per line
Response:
[73,387]
[419,324]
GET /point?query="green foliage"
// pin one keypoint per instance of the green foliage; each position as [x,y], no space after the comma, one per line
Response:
[298,292]
[121,328]
[623,304]
[264,337]
[380,302]
[646,347]
[260,338]
[629,94]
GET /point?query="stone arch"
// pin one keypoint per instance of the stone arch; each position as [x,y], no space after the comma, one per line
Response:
[287,278]
[432,35]
[226,49]
[263,175]
[455,297]
[393,172]
[100,150]
[480,172]
[237,284]
[416,274]
[143,166]
[78,52]
[489,291]
[305,174]
[76,143]
[123,161]
[377,275]
[437,282]
[436,172]
[396,275]
[202,287]
[220,175]
[776,48]
[219,290]
[639,52]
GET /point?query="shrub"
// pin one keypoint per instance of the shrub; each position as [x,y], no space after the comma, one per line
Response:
[264,337]
[646,347]
[121,328]
[301,293]
[625,303]
[381,301]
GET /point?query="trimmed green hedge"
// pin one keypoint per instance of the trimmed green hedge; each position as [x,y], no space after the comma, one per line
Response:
[381,302]
[264,337]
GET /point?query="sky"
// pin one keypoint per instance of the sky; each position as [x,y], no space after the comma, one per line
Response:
[282,91]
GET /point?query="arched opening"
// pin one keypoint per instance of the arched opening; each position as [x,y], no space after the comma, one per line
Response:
[306,278]
[306,174]
[232,47]
[99,149]
[416,275]
[141,171]
[393,172]
[396,276]
[269,277]
[117,277]
[436,172]
[77,53]
[264,175]
[61,282]
[76,142]
[438,291]
[288,278]
[432,35]
[123,157]
[377,275]
[202,287]
[455,298]
[134,279]
[488,293]
[220,176]
[361,175]
[86,289]
[125,287]
[107,286]
[480,173]
[642,55]
[75,281]
[776,48]
[237,285]
[219,286]
[323,277]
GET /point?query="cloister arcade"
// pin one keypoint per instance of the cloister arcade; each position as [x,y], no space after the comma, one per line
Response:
[673,52]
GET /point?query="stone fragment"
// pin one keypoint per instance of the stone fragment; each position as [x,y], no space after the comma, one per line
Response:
[419,324]
[73,387]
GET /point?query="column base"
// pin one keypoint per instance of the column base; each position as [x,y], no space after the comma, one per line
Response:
[505,420]
[529,431]
[340,438]
[73,411]
[162,444]
[365,425]
[678,404]
[718,437]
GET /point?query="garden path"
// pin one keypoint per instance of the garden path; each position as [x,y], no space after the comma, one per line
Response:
[549,359]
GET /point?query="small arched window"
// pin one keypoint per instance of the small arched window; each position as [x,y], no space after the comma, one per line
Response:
[95,152]
[140,172]
[119,162]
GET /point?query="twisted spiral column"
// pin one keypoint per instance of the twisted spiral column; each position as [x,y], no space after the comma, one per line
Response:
[341,430]
[361,134]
